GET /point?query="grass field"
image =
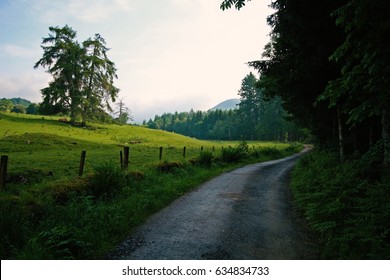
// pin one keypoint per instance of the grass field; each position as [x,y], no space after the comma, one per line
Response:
[48,212]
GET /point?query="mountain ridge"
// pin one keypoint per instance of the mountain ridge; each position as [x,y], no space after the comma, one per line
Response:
[228,104]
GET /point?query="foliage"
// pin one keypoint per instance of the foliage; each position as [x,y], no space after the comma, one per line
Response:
[6,105]
[327,60]
[82,74]
[137,175]
[205,158]
[16,105]
[345,205]
[257,118]
[15,236]
[107,180]
[227,4]
[59,243]
[169,166]
[233,154]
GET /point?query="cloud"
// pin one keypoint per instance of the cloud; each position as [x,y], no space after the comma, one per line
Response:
[198,62]
[26,85]
[17,51]
[93,11]
[88,11]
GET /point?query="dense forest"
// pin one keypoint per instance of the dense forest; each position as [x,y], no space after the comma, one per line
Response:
[257,118]
[329,62]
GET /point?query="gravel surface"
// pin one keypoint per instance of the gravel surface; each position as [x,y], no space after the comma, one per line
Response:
[243,214]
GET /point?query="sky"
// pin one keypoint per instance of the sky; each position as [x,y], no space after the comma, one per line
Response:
[170,55]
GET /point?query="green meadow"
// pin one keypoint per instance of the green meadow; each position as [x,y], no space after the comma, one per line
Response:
[49,212]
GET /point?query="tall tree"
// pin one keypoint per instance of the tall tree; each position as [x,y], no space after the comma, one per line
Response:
[82,74]
[334,51]
[250,104]
[98,73]
[62,56]
[296,62]
[363,88]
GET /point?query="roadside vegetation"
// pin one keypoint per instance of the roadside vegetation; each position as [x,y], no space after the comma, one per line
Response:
[49,212]
[346,203]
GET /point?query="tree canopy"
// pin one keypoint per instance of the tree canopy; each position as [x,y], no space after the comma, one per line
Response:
[83,76]
[329,62]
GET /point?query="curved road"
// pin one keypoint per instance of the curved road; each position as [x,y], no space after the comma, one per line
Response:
[243,214]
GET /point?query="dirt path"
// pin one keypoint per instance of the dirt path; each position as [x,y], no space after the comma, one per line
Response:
[243,214]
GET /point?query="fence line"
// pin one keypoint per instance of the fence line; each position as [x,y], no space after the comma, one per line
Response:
[124,159]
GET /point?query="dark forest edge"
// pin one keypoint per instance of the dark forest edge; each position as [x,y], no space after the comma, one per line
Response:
[327,61]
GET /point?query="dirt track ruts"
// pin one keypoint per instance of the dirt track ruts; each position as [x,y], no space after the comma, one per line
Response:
[243,214]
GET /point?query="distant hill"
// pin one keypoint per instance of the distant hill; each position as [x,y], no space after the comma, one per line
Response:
[18,100]
[227,105]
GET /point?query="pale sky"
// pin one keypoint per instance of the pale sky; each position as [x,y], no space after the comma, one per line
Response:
[171,55]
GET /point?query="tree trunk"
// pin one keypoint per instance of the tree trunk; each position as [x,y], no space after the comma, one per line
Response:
[341,133]
[386,136]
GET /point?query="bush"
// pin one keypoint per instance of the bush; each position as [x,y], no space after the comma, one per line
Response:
[271,152]
[12,226]
[108,178]
[205,158]
[348,210]
[169,167]
[232,154]
[62,191]
[59,243]
[136,175]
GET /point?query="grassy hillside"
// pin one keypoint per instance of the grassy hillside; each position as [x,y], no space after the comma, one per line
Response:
[48,212]
[45,144]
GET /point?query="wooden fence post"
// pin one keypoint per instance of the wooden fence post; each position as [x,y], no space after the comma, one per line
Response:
[184,152]
[82,162]
[3,171]
[126,151]
[161,152]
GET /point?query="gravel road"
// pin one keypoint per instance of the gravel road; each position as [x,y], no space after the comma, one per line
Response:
[243,214]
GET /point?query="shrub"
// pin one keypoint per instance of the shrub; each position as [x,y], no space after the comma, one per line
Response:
[59,243]
[12,226]
[232,154]
[169,167]
[344,206]
[243,146]
[293,148]
[62,191]
[270,152]
[108,178]
[205,158]
[136,175]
